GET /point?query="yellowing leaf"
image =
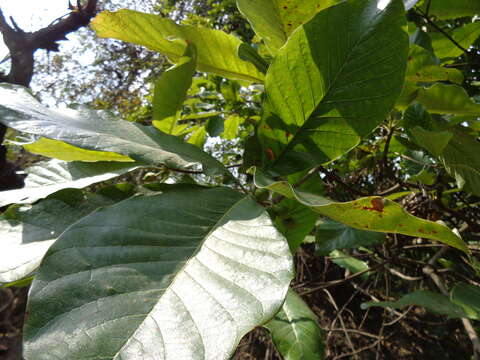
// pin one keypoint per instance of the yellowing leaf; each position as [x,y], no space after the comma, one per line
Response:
[217,51]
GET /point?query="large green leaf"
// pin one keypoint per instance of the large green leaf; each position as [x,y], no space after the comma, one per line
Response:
[464,35]
[93,130]
[217,51]
[431,301]
[333,82]
[446,9]
[295,330]
[46,177]
[447,99]
[180,275]
[369,213]
[332,235]
[275,20]
[26,232]
[171,90]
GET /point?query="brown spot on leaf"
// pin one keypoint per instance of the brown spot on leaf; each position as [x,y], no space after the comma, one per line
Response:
[270,154]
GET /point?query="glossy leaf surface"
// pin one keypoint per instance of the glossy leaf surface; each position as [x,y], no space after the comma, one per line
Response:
[26,232]
[332,83]
[46,177]
[98,131]
[216,50]
[180,275]
[295,330]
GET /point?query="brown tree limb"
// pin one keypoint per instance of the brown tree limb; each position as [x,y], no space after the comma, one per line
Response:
[22,46]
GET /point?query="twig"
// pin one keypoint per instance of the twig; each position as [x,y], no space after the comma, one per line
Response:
[341,281]
[440,30]
[334,177]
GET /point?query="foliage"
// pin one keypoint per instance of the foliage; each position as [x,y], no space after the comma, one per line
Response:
[356,129]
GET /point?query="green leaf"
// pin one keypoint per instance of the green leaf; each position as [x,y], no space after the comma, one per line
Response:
[332,235]
[179,275]
[461,160]
[423,67]
[434,302]
[369,213]
[26,231]
[250,54]
[275,20]
[447,99]
[198,137]
[434,141]
[350,263]
[445,9]
[216,50]
[62,151]
[332,83]
[46,177]
[215,126]
[171,90]
[295,221]
[93,130]
[465,35]
[232,123]
[468,297]
[295,331]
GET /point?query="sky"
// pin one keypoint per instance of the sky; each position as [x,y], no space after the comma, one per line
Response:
[31,15]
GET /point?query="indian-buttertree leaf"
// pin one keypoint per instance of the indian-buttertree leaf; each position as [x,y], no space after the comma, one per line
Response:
[432,301]
[445,9]
[216,50]
[447,99]
[468,297]
[171,89]
[332,83]
[46,177]
[178,275]
[369,213]
[94,130]
[332,235]
[465,36]
[27,231]
[275,20]
[295,331]
[62,151]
